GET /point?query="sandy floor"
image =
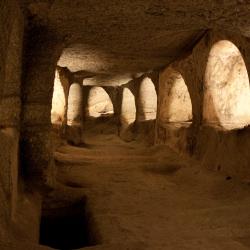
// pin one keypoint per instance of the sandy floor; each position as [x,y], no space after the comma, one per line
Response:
[145,197]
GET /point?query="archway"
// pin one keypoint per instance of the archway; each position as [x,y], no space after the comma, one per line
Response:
[175,104]
[147,105]
[227,93]
[99,103]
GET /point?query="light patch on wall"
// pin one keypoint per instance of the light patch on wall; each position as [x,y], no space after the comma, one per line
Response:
[99,103]
[227,92]
[58,101]
[147,100]
[175,102]
[128,109]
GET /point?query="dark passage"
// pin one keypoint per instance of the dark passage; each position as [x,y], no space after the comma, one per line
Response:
[66,227]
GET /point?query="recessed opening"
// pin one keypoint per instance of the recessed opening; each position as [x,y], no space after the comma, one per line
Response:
[99,103]
[175,104]
[67,227]
[227,92]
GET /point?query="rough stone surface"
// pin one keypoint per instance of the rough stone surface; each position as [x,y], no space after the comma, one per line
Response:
[147,193]
[227,92]
[210,145]
[143,196]
[147,99]
[99,103]
[128,112]
[75,114]
[174,99]
[58,101]
[75,108]
[133,37]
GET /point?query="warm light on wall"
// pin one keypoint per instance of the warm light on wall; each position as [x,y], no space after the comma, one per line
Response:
[147,100]
[227,93]
[175,103]
[58,101]
[99,103]
[75,111]
[128,109]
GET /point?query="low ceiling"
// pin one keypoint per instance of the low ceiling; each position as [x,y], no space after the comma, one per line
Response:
[112,41]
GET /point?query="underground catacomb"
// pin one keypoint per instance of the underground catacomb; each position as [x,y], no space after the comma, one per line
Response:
[124,124]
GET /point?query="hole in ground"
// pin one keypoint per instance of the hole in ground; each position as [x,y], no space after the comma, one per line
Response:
[67,227]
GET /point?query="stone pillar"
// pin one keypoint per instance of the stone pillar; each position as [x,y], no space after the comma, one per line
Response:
[75,114]
[118,107]
[42,53]
[146,101]
[128,114]
[10,109]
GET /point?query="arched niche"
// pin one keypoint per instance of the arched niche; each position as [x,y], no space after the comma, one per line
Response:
[147,100]
[128,108]
[99,103]
[175,104]
[58,101]
[226,91]
[74,114]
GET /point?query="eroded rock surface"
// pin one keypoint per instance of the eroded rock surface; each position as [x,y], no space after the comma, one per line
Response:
[148,123]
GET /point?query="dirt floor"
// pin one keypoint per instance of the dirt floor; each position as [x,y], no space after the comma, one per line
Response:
[148,197]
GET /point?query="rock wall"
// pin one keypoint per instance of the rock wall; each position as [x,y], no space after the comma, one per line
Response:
[19,212]
[128,114]
[174,99]
[226,92]
[42,51]
[217,148]
[60,98]
[174,115]
[99,103]
[11,28]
